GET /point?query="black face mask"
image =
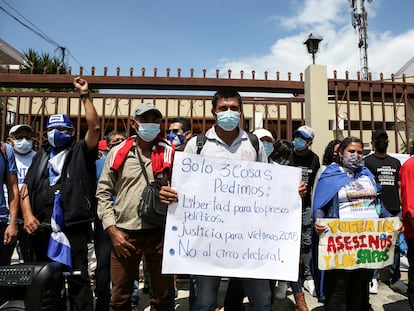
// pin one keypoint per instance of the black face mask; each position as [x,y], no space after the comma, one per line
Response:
[381,146]
[115,144]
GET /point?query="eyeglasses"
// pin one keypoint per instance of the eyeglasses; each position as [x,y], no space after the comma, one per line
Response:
[175,131]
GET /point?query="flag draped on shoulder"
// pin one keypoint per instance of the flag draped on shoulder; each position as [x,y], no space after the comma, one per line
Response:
[333,179]
[59,246]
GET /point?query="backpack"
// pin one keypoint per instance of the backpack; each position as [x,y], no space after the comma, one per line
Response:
[201,140]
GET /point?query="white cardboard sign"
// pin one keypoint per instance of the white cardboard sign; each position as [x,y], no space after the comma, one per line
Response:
[233,218]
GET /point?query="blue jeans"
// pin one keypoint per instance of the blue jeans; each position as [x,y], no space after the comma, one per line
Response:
[135,293]
[394,269]
[206,289]
[306,243]
[296,287]
[395,272]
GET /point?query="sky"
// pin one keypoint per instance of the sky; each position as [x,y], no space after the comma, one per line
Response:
[262,35]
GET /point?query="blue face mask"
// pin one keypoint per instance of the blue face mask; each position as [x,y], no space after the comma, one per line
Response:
[268,147]
[57,138]
[299,144]
[176,139]
[228,120]
[148,131]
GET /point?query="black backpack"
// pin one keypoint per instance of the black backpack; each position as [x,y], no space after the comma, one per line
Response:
[201,140]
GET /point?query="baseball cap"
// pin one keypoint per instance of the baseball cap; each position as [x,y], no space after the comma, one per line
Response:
[15,128]
[59,120]
[263,133]
[378,133]
[145,107]
[102,145]
[305,131]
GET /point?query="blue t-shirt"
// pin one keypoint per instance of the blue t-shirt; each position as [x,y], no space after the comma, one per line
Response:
[99,167]
[11,169]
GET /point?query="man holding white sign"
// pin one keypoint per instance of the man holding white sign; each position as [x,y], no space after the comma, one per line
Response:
[202,232]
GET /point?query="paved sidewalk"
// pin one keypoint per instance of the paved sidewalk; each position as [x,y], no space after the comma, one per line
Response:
[386,299]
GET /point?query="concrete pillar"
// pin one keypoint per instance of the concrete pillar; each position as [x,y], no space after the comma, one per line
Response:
[316,106]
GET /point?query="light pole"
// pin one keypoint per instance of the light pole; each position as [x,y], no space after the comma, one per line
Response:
[312,43]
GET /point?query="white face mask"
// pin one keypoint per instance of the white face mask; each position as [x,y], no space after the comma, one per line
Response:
[23,146]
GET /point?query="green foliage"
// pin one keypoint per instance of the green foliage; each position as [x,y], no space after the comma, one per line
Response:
[41,61]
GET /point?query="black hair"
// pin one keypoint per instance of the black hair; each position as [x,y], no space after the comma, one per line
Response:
[282,150]
[112,133]
[185,122]
[346,141]
[226,93]
[328,155]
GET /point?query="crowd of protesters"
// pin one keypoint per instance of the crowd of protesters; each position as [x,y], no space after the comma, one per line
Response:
[98,185]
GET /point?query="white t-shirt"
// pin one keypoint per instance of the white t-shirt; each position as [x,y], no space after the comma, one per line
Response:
[357,199]
[240,149]
[23,162]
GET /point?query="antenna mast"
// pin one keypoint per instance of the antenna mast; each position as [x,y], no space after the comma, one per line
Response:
[360,22]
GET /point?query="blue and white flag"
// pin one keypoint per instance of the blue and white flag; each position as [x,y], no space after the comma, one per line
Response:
[59,246]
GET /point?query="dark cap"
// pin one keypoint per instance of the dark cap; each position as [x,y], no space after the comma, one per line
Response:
[59,121]
[378,133]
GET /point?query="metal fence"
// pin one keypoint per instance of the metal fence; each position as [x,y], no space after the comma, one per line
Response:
[355,107]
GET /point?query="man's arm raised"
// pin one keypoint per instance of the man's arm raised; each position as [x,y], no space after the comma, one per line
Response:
[92,120]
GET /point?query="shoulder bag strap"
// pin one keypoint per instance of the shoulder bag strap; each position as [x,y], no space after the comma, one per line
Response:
[144,170]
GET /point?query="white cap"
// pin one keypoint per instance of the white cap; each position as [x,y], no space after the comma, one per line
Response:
[17,127]
[263,133]
[306,131]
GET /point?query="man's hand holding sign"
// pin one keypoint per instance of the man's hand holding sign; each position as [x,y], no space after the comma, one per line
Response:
[233,218]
